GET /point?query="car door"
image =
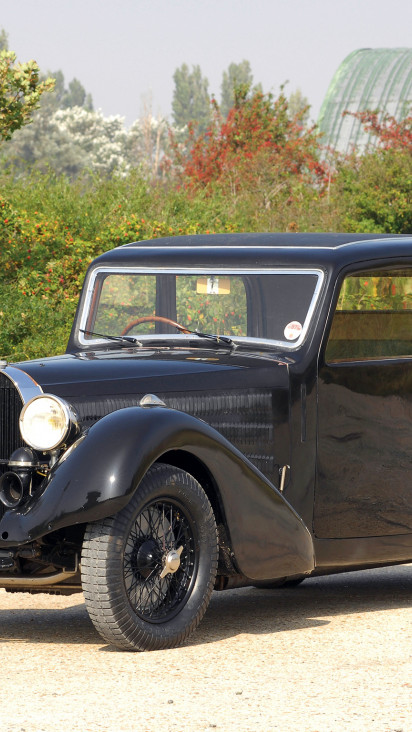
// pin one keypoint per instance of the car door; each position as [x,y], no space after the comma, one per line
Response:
[364,461]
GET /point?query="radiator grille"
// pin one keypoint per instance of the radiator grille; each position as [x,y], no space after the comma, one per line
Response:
[10,407]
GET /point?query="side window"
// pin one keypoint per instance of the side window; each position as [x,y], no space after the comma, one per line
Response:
[373,317]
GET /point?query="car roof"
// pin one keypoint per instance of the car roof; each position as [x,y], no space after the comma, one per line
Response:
[261,239]
[256,250]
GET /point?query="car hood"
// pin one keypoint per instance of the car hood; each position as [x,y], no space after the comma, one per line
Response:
[127,371]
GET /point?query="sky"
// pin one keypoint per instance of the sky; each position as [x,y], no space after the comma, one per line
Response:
[125,52]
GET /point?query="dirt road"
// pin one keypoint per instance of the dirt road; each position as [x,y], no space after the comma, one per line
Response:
[333,654]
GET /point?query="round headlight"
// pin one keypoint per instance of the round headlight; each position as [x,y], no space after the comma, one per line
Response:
[45,422]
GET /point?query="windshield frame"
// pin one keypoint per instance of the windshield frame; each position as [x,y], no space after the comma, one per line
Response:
[201,271]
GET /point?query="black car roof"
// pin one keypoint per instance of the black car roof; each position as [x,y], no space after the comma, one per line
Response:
[257,250]
[274,239]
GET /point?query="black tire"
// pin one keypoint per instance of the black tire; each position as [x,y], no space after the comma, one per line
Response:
[168,528]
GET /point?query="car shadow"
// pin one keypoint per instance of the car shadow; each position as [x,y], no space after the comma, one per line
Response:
[312,604]
[230,613]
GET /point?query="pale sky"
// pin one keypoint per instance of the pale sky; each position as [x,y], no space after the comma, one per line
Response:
[125,52]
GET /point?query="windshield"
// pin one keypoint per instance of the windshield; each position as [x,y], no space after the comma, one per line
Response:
[274,306]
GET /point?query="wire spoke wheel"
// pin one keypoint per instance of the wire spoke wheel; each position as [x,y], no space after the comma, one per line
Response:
[148,571]
[155,586]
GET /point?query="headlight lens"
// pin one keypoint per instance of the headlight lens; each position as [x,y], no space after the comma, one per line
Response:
[45,422]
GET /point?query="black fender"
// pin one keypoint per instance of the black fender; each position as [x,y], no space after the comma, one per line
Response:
[99,476]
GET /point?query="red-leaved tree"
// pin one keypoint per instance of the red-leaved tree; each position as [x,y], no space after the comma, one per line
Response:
[391,133]
[258,146]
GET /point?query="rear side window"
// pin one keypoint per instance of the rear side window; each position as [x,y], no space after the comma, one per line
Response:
[373,317]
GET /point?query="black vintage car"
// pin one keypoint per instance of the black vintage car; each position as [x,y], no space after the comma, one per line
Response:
[231,410]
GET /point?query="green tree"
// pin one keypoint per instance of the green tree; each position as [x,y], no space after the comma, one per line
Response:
[191,101]
[236,76]
[74,95]
[299,106]
[20,92]
[372,193]
[4,40]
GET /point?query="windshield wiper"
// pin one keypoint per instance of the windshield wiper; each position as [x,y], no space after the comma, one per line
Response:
[122,339]
[213,337]
[218,339]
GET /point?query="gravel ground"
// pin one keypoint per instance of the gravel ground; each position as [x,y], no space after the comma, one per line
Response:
[333,654]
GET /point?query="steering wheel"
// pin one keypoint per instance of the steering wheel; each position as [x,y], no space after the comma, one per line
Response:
[155,318]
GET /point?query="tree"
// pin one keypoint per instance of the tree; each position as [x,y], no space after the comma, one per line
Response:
[372,191]
[71,141]
[146,144]
[190,98]
[237,76]
[4,40]
[66,97]
[299,106]
[20,92]
[391,133]
[258,145]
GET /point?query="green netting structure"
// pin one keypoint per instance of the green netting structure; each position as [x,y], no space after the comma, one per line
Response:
[369,78]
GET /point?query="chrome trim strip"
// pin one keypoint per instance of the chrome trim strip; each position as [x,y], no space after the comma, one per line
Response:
[285,345]
[25,385]
[202,270]
[261,247]
[139,245]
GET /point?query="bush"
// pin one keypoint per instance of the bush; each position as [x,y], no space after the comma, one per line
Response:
[52,227]
[373,193]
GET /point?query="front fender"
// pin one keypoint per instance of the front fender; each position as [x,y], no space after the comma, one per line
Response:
[99,476]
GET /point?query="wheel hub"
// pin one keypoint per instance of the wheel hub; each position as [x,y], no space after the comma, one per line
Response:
[171,562]
[146,557]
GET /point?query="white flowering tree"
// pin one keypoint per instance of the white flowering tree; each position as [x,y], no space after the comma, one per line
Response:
[101,140]
[76,139]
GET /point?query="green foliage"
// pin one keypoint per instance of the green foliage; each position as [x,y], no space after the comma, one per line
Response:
[50,230]
[258,170]
[65,97]
[259,161]
[299,106]
[373,193]
[4,40]
[74,96]
[236,76]
[20,92]
[190,98]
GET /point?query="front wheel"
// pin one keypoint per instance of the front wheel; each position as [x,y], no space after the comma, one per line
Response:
[148,571]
